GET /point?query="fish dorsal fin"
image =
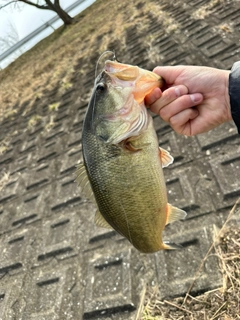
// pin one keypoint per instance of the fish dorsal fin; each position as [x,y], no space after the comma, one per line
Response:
[165,157]
[174,214]
[100,221]
[83,181]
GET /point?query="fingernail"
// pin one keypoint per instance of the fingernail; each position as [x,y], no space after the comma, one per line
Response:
[192,98]
[196,97]
[177,91]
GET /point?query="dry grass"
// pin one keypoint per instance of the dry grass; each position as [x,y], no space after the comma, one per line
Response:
[226,28]
[169,24]
[220,304]
[50,63]
[206,9]
[4,179]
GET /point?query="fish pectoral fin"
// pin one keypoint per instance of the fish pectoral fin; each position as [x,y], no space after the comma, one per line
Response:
[83,181]
[174,214]
[100,221]
[165,157]
[128,144]
[171,246]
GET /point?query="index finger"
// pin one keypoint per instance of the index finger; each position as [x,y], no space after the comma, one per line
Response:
[167,97]
[153,96]
[169,73]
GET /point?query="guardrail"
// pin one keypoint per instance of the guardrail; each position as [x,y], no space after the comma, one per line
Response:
[33,34]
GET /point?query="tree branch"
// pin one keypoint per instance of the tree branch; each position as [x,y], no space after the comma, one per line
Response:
[4,5]
[35,5]
[51,5]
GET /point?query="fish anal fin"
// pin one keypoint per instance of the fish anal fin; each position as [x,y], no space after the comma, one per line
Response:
[100,221]
[83,181]
[171,246]
[166,158]
[174,214]
[80,172]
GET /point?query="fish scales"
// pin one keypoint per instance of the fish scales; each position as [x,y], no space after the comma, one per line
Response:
[127,193]
[123,161]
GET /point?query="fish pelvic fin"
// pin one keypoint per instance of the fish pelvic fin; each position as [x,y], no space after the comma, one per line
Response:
[174,214]
[171,246]
[166,158]
[100,221]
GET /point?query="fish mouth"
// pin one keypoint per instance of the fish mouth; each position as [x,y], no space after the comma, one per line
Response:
[140,80]
[103,77]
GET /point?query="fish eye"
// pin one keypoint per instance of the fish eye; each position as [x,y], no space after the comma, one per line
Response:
[101,88]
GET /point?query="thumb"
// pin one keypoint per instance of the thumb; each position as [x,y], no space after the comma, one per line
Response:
[169,74]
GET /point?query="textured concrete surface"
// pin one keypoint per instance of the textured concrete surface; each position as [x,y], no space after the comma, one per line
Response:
[54,262]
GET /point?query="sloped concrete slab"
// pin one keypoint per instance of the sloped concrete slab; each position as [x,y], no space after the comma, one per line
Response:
[55,263]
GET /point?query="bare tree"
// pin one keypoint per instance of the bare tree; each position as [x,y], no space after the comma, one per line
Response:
[8,40]
[53,5]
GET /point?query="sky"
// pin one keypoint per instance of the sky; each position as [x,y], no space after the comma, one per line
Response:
[26,19]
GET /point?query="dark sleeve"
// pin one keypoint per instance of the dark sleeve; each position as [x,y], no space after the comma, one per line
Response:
[234,93]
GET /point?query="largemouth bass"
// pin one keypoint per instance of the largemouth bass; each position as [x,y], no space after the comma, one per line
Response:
[122,159]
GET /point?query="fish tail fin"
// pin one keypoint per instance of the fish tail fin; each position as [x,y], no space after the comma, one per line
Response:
[171,246]
[174,214]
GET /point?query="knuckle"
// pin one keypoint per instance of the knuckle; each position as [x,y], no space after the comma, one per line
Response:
[155,107]
[164,114]
[186,101]
[180,91]
[169,95]
[173,121]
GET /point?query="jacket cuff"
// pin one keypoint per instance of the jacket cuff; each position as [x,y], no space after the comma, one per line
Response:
[234,93]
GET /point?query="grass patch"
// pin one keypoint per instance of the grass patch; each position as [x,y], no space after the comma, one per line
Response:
[34,120]
[222,303]
[51,63]
[4,179]
[205,10]
[54,106]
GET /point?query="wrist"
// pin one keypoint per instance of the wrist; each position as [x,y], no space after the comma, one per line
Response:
[226,95]
[234,93]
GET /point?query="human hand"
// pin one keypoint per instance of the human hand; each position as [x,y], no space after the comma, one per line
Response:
[194,100]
